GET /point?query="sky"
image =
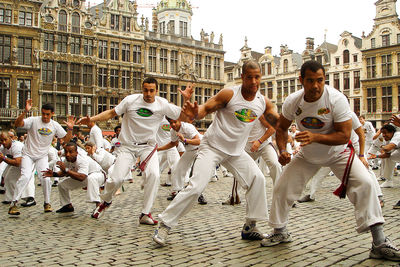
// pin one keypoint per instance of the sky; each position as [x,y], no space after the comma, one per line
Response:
[276,22]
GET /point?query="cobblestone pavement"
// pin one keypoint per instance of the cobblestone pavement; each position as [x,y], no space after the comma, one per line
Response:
[323,233]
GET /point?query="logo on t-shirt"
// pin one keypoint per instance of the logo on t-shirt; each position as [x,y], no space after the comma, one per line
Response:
[245,115]
[312,123]
[323,111]
[166,127]
[144,112]
[117,144]
[45,131]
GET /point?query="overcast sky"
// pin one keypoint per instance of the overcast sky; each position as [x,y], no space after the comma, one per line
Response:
[276,22]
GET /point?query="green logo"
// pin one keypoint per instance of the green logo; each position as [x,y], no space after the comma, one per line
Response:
[144,112]
[246,115]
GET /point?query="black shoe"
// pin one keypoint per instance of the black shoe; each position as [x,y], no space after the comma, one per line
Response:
[375,168]
[66,208]
[6,202]
[397,205]
[29,202]
[202,200]
[139,174]
[172,196]
[165,184]
[2,191]
[55,183]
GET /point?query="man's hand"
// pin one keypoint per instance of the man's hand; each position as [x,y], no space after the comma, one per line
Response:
[180,136]
[48,173]
[191,110]
[84,120]
[61,165]
[187,93]
[304,138]
[255,146]
[28,105]
[364,161]
[395,120]
[70,122]
[1,157]
[372,156]
[284,158]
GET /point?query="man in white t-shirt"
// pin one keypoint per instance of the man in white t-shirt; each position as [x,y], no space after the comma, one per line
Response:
[79,171]
[41,130]
[322,114]
[115,143]
[142,116]
[369,131]
[236,111]
[95,135]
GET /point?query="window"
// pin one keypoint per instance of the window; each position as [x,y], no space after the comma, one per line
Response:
[75,45]
[87,105]
[136,80]
[62,21]
[5,49]
[292,86]
[171,27]
[126,52]
[87,75]
[25,18]
[207,94]
[126,24]
[372,42]
[102,77]
[263,69]
[114,51]
[23,92]
[173,95]
[386,65]
[162,27]
[336,81]
[163,90]
[163,60]
[5,17]
[346,57]
[62,43]
[279,89]
[174,62]
[398,64]
[217,69]
[114,25]
[207,67]
[183,29]
[356,78]
[337,60]
[88,47]
[355,58]
[101,104]
[47,71]
[197,95]
[24,51]
[230,76]
[398,38]
[61,72]
[386,40]
[74,74]
[319,59]
[137,54]
[269,90]
[371,100]
[113,102]
[326,81]
[126,79]
[47,98]
[285,65]
[76,22]
[152,59]
[61,105]
[102,49]
[357,106]
[262,88]
[198,66]
[48,42]
[371,67]
[285,88]
[74,106]
[387,99]
[346,80]
[269,68]
[4,92]
[114,78]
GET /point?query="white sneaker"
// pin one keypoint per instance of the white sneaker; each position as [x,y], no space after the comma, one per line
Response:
[161,234]
[385,250]
[387,184]
[227,174]
[275,239]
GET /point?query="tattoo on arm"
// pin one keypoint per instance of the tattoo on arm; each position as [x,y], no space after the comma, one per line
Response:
[271,119]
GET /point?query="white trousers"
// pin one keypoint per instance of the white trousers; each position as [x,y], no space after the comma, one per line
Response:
[181,169]
[389,164]
[92,182]
[268,154]
[11,175]
[242,167]
[126,158]
[168,159]
[27,164]
[360,190]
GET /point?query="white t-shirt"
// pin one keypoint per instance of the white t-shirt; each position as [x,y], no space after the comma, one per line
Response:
[53,156]
[188,131]
[232,124]
[318,117]
[96,136]
[106,144]
[141,119]
[40,136]
[355,125]
[83,164]
[15,151]
[163,136]
[104,158]
[395,140]
[369,131]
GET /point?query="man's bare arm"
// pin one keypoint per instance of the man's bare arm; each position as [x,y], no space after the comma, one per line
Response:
[270,114]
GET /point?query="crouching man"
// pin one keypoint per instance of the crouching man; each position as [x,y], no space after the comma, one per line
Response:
[80,171]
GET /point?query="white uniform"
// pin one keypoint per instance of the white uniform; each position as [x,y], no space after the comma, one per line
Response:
[40,136]
[115,143]
[390,163]
[95,178]
[318,117]
[138,133]
[53,158]
[96,136]
[224,142]
[106,144]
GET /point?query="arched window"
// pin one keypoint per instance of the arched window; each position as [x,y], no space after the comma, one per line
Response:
[346,57]
[285,65]
[62,21]
[76,22]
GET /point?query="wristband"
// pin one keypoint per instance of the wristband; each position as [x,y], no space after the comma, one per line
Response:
[70,129]
[4,158]
[185,142]
[259,141]
[361,155]
[283,150]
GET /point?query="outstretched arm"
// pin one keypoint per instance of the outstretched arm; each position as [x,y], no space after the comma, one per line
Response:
[104,116]
[270,114]
[19,122]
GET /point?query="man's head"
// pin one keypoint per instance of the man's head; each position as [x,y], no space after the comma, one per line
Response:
[117,130]
[176,125]
[362,119]
[149,89]
[5,139]
[251,76]
[12,134]
[388,131]
[21,138]
[71,151]
[293,128]
[312,77]
[47,112]
[90,148]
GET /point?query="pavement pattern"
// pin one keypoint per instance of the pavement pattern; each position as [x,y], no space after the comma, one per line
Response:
[323,232]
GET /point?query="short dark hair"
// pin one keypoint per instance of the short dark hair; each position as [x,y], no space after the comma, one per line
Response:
[312,65]
[362,116]
[389,128]
[250,64]
[72,144]
[48,106]
[117,127]
[150,80]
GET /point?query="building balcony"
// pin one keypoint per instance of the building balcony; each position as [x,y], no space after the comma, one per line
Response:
[10,114]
